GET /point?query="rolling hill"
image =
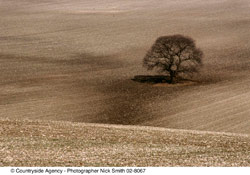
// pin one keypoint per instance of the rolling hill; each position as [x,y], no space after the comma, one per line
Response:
[66,70]
[41,143]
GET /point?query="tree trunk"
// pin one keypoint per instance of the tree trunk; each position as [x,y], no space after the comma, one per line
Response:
[172,75]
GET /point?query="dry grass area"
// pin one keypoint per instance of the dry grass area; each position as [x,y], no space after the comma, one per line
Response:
[40,143]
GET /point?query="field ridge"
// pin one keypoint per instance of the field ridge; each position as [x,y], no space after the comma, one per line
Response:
[46,143]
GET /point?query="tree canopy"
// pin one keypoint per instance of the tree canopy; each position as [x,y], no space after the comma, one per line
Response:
[174,55]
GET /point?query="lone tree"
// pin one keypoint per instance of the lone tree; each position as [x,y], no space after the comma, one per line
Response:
[174,55]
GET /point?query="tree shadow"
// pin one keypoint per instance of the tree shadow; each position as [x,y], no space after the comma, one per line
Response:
[152,79]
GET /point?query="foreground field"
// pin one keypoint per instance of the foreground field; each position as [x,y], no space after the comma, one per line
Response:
[40,143]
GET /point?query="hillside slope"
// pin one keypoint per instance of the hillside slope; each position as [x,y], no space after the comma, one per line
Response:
[40,143]
[73,60]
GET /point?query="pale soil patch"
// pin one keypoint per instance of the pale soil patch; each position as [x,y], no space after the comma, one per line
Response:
[97,11]
[178,84]
[37,143]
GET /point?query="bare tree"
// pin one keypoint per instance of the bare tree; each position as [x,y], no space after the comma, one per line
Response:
[174,55]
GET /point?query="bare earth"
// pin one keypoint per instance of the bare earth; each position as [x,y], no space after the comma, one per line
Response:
[37,143]
[73,60]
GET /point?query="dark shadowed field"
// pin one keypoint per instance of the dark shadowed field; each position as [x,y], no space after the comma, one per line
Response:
[73,60]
